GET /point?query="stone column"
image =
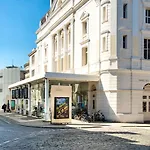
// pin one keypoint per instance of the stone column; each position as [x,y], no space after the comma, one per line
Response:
[17,105]
[29,100]
[47,113]
[24,107]
[72,45]
[58,51]
[51,53]
[20,105]
[65,48]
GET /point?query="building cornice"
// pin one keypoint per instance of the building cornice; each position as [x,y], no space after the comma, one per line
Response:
[33,52]
[105,2]
[52,15]
[61,19]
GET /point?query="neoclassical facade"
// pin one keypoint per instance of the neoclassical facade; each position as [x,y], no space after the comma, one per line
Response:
[99,47]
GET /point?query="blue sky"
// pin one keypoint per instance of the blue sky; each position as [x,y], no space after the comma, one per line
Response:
[19,20]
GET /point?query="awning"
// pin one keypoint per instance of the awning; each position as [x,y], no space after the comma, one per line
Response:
[57,77]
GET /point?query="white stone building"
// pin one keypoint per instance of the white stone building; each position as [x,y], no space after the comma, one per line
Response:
[8,75]
[104,45]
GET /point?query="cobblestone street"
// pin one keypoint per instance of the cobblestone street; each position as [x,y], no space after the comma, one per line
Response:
[15,137]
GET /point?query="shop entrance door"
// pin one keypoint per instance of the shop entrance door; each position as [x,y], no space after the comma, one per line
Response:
[146,107]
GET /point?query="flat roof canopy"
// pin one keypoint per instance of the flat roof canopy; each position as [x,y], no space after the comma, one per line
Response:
[55,76]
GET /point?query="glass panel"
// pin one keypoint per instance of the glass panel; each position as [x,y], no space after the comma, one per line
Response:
[145,43]
[148,21]
[145,19]
[148,13]
[125,41]
[125,11]
[93,104]
[148,54]
[144,97]
[144,106]
[145,54]
[149,107]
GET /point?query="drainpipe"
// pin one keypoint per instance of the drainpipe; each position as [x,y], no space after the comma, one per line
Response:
[131,83]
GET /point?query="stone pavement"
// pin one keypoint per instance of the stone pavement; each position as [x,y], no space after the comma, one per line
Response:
[40,123]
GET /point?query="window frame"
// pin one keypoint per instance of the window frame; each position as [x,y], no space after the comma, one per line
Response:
[104,43]
[147,15]
[33,59]
[32,72]
[84,28]
[84,56]
[124,41]
[146,52]
[104,14]
[144,107]
[125,10]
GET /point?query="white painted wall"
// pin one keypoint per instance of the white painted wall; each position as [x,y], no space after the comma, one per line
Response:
[123,72]
[9,76]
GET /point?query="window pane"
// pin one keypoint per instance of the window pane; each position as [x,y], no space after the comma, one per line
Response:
[144,106]
[93,104]
[148,20]
[145,43]
[125,41]
[144,97]
[145,54]
[148,12]
[149,107]
[148,54]
[125,11]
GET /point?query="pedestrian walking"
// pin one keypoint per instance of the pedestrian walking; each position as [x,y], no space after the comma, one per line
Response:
[8,107]
[4,107]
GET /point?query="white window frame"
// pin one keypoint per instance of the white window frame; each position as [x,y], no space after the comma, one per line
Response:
[147,17]
[84,56]
[33,72]
[146,54]
[84,28]
[104,43]
[104,13]
[33,59]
